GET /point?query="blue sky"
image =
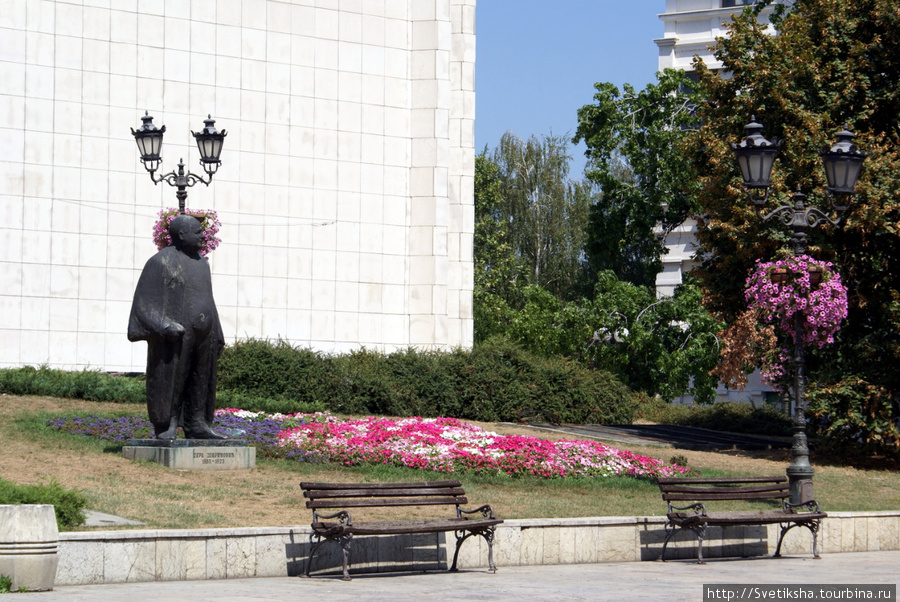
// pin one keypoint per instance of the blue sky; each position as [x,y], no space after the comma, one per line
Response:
[537,61]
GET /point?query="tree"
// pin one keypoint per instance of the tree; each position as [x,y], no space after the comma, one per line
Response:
[496,267]
[831,63]
[546,213]
[663,347]
[634,156]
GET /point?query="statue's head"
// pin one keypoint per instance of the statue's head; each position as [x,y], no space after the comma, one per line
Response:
[187,233]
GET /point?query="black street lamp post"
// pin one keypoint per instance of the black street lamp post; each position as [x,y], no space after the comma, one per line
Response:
[843,161]
[149,141]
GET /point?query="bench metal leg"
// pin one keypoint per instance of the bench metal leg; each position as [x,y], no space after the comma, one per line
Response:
[488,535]
[314,547]
[345,548]
[670,531]
[813,526]
[699,531]
[343,541]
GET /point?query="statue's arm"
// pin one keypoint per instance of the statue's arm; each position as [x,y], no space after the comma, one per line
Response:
[148,320]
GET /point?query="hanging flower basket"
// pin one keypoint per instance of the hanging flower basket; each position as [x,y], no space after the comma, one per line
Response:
[782,288]
[208,218]
[784,275]
[777,291]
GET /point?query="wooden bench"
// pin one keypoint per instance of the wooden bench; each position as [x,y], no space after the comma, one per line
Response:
[321,496]
[763,489]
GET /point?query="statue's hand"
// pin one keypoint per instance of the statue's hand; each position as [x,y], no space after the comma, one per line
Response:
[173,331]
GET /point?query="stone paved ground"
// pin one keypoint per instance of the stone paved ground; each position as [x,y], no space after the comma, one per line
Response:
[670,581]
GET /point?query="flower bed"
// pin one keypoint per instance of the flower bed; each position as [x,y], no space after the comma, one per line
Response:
[439,444]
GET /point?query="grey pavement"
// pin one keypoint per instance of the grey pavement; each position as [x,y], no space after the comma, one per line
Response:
[101,519]
[674,580]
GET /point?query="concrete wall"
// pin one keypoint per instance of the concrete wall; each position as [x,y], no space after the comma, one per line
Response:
[346,185]
[166,555]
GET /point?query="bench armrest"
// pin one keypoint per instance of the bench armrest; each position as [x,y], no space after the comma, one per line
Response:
[486,511]
[343,517]
[699,509]
[810,505]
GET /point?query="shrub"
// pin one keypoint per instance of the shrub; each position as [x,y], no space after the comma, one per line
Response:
[495,381]
[257,368]
[721,416]
[91,385]
[68,504]
[856,417]
[230,399]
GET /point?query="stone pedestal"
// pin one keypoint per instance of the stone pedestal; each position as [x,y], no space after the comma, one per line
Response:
[193,454]
[28,546]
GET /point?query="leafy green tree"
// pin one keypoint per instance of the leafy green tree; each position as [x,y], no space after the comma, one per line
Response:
[661,346]
[496,268]
[635,157]
[831,63]
[545,212]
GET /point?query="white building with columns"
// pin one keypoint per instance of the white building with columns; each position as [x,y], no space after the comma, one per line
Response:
[690,29]
[345,191]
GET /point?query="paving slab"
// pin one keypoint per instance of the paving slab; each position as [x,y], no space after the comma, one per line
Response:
[621,581]
[101,519]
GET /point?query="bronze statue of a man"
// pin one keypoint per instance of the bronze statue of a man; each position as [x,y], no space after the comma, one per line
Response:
[174,311]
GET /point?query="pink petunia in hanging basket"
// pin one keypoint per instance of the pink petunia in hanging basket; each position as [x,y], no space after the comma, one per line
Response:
[779,289]
[209,220]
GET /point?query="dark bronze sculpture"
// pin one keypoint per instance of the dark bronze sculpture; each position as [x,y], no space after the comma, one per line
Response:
[174,311]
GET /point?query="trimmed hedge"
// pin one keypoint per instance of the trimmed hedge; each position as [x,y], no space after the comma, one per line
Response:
[91,385]
[493,382]
[496,381]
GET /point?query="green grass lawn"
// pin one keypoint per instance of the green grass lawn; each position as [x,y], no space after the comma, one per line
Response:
[269,496]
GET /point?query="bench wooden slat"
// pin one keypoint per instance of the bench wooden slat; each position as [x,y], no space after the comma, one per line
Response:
[378,502]
[714,480]
[420,484]
[379,493]
[719,519]
[762,495]
[776,488]
[401,527]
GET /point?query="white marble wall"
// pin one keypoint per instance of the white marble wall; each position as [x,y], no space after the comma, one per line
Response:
[345,190]
[88,557]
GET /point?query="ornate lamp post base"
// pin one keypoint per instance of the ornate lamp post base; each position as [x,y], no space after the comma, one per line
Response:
[800,481]
[800,472]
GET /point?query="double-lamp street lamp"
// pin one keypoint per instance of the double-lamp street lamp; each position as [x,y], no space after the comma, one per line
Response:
[149,141]
[843,162]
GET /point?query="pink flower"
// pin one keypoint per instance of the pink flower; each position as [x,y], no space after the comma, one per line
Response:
[823,308]
[209,219]
[449,445]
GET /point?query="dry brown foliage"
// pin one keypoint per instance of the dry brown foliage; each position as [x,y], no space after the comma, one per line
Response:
[743,342]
